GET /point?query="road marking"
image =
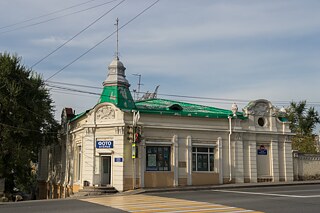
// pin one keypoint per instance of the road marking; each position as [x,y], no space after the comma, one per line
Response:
[268,194]
[148,203]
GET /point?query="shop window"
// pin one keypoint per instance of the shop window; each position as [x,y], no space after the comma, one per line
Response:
[158,158]
[202,159]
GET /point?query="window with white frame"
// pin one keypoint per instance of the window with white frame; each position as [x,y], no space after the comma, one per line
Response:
[158,158]
[202,159]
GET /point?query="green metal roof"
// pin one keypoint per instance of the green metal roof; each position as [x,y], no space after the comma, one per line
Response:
[118,95]
[169,107]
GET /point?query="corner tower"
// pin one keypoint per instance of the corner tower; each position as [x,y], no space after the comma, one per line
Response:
[116,87]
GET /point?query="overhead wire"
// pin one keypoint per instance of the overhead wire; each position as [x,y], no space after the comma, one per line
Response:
[73,37]
[51,19]
[197,98]
[86,52]
[44,15]
[24,129]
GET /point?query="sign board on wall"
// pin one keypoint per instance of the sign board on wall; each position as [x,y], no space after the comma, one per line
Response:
[262,150]
[103,144]
[118,160]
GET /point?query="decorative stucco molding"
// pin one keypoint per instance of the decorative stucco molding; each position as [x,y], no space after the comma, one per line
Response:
[260,107]
[105,113]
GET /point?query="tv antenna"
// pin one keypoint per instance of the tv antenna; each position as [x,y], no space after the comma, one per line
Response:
[136,93]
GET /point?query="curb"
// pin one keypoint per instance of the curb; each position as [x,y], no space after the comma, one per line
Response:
[224,186]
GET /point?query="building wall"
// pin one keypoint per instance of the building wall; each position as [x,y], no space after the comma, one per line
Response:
[237,151]
[306,166]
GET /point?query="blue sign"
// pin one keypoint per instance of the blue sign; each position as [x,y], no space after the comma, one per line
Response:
[262,152]
[118,160]
[104,144]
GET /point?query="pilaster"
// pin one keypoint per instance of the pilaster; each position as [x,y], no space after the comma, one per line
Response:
[253,161]
[288,160]
[239,171]
[275,160]
[142,162]
[175,160]
[220,162]
[189,161]
[87,156]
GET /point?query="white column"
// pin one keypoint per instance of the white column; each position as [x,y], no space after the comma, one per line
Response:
[175,160]
[275,160]
[189,161]
[220,163]
[253,161]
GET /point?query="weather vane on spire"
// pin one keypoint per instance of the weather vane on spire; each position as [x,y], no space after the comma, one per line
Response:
[117,51]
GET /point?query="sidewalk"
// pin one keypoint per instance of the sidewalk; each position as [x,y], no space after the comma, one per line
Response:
[213,187]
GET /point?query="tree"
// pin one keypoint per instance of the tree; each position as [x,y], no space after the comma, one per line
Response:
[26,121]
[303,121]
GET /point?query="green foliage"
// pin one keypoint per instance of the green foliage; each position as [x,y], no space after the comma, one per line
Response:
[304,144]
[303,121]
[26,120]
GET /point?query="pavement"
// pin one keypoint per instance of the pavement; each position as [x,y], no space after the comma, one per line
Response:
[217,187]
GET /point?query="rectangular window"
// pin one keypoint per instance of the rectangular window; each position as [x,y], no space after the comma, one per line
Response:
[202,159]
[158,158]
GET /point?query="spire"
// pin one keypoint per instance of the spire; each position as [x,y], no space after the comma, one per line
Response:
[117,25]
[116,86]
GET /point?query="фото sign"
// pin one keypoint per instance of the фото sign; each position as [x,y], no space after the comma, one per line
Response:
[104,144]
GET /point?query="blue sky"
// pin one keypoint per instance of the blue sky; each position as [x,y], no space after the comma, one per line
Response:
[236,49]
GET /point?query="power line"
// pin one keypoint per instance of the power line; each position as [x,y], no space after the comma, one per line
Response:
[213,100]
[92,23]
[51,19]
[29,130]
[48,14]
[68,93]
[70,84]
[86,52]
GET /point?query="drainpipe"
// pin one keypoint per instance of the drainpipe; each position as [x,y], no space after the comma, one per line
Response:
[230,133]
[234,109]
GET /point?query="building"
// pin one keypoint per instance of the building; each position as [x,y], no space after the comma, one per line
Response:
[178,144]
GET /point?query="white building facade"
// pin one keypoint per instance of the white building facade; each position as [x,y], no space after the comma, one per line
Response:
[179,144]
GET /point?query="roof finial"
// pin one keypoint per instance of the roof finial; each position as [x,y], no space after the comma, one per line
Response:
[117,51]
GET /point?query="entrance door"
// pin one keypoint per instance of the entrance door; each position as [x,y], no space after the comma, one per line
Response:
[106,170]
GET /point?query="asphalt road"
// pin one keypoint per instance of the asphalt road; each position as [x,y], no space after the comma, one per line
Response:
[277,199]
[54,206]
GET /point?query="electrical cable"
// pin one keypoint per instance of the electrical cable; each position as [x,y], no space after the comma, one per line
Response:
[218,100]
[51,19]
[30,130]
[92,23]
[86,52]
[48,14]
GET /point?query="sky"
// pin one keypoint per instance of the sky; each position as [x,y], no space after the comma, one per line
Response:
[224,51]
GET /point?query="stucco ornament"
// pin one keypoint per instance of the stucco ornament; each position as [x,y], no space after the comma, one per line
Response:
[259,108]
[105,113]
